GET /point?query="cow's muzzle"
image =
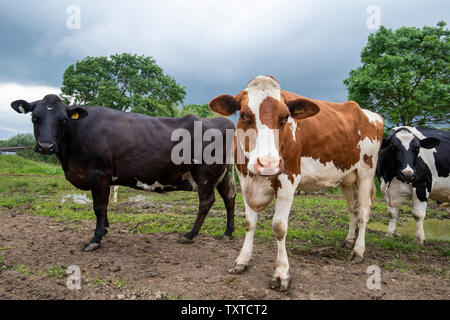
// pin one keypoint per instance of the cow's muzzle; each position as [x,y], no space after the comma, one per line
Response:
[406,176]
[46,147]
[268,166]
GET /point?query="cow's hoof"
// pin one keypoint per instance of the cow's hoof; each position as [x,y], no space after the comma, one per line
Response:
[91,247]
[226,237]
[419,241]
[238,269]
[348,244]
[389,235]
[356,259]
[185,240]
[278,284]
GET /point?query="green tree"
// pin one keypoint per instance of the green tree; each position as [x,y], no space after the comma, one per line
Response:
[124,82]
[200,110]
[405,75]
[19,140]
[24,140]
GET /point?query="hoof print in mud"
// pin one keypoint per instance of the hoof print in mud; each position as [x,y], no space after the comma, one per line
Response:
[280,285]
[91,247]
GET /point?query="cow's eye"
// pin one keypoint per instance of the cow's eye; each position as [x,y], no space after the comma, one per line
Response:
[35,119]
[284,120]
[242,116]
[63,121]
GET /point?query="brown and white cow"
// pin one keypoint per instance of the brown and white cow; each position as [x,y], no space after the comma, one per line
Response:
[297,142]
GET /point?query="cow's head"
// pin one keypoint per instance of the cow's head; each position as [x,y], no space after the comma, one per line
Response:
[264,112]
[402,148]
[50,118]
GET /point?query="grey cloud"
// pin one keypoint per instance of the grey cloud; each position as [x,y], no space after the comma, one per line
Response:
[213,48]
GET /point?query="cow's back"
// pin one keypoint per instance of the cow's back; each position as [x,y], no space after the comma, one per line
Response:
[133,145]
[335,142]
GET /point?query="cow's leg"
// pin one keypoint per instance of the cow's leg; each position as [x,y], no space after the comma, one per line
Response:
[206,200]
[227,191]
[393,214]
[281,280]
[100,195]
[419,211]
[241,263]
[365,185]
[349,192]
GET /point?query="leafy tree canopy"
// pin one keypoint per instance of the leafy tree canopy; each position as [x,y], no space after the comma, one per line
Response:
[200,110]
[19,140]
[124,82]
[405,75]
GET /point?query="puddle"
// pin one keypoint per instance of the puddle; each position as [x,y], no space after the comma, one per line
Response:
[139,198]
[434,229]
[79,198]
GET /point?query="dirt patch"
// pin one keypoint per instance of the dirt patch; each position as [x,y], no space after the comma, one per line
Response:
[35,252]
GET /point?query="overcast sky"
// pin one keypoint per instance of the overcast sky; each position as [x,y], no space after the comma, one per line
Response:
[210,47]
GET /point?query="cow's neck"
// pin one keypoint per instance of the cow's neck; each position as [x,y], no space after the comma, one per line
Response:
[65,151]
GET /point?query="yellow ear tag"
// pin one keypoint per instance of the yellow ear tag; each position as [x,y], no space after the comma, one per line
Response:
[298,110]
[75,116]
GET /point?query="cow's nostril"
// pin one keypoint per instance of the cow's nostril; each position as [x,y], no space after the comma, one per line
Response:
[46,147]
[259,163]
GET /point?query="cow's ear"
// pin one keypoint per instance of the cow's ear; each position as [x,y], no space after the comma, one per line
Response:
[384,143]
[77,113]
[429,143]
[22,106]
[387,140]
[226,104]
[302,108]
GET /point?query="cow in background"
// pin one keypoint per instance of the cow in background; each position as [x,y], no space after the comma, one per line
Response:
[99,147]
[414,162]
[289,142]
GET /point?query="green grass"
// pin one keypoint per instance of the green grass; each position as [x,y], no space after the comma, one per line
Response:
[30,187]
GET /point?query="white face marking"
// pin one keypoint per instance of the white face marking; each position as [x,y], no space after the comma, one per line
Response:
[405,138]
[114,178]
[49,108]
[408,169]
[293,127]
[259,89]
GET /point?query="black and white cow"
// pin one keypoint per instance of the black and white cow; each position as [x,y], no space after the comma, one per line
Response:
[99,147]
[414,162]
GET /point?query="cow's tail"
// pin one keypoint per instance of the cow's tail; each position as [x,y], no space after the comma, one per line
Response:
[233,180]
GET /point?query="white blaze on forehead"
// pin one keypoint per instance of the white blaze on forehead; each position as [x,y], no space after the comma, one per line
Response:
[405,138]
[258,90]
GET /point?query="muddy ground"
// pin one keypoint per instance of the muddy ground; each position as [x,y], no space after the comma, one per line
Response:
[35,252]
